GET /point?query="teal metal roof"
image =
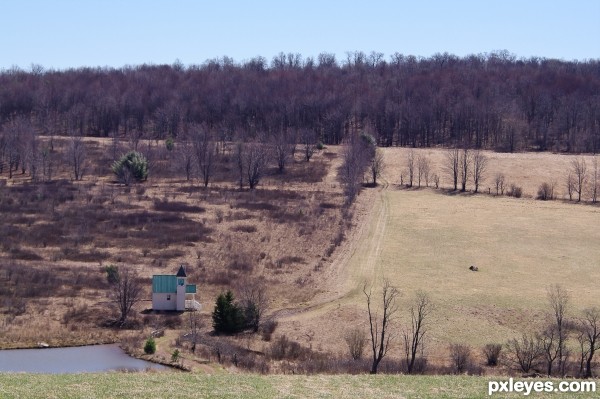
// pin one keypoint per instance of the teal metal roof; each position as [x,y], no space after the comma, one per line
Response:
[190,289]
[164,284]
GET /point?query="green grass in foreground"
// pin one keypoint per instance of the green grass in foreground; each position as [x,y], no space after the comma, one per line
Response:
[183,385]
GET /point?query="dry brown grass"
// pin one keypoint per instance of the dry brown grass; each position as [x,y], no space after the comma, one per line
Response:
[57,236]
[292,234]
[526,169]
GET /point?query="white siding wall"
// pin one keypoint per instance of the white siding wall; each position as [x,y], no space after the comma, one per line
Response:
[160,302]
[181,297]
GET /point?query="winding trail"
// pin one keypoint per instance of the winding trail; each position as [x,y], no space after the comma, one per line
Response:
[355,262]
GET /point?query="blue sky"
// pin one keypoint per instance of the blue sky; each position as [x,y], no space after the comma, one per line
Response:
[72,33]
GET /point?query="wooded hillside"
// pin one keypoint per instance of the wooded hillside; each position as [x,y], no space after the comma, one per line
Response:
[493,101]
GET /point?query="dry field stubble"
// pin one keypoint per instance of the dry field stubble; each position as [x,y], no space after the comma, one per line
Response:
[426,239]
[57,238]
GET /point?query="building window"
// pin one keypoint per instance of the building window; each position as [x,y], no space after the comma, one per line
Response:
[168,297]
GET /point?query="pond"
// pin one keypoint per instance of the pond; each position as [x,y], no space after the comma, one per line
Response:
[82,359]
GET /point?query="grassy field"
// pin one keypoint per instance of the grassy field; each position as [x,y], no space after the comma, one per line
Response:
[425,239]
[520,246]
[179,385]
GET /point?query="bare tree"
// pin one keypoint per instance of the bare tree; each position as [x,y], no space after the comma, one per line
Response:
[579,170]
[479,168]
[350,173]
[549,344]
[546,191]
[594,179]
[436,180]
[76,156]
[558,299]
[570,185]
[525,353]
[492,353]
[581,338]
[255,302]
[204,150]
[357,157]
[282,150]
[426,167]
[379,329]
[126,292]
[460,355]
[11,144]
[410,167]
[195,324]
[33,159]
[423,169]
[590,327]
[47,163]
[134,136]
[500,183]
[255,163]
[240,156]
[377,166]
[309,142]
[414,339]
[465,165]
[185,153]
[452,165]
[356,340]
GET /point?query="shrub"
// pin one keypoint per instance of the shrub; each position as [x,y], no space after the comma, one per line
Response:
[284,349]
[268,328]
[356,340]
[460,356]
[244,228]
[515,191]
[546,192]
[132,165]
[320,145]
[492,353]
[150,346]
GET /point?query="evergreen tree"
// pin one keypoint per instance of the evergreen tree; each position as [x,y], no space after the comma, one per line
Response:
[227,317]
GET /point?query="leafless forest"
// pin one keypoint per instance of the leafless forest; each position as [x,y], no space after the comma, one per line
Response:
[493,101]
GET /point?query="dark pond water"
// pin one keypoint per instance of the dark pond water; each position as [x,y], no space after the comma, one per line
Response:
[83,359]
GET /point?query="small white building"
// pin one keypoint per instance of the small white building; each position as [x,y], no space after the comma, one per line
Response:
[171,292]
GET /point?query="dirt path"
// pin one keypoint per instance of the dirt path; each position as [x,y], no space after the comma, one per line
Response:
[355,261]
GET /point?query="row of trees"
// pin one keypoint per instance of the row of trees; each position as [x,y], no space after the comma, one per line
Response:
[382,334]
[547,350]
[461,166]
[480,101]
[196,155]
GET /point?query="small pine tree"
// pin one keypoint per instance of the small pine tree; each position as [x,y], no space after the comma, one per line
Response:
[112,274]
[175,356]
[228,316]
[132,165]
[150,346]
[170,144]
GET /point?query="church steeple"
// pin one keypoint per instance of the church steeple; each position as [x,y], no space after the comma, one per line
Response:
[181,272]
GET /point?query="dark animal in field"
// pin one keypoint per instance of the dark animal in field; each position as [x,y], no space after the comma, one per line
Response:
[473,268]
